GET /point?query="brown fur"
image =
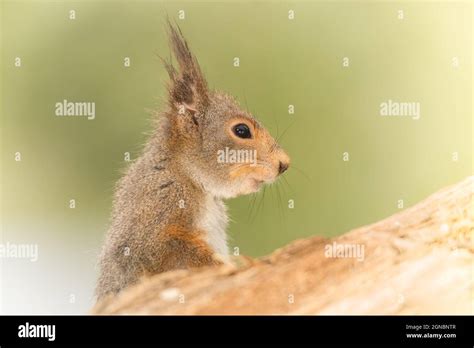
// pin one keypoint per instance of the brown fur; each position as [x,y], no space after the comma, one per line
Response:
[160,202]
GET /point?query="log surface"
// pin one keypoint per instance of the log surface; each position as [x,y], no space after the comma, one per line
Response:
[418,261]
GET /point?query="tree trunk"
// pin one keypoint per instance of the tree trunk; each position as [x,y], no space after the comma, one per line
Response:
[418,261]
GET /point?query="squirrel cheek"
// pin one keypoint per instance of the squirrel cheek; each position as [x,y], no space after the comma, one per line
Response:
[241,172]
[258,173]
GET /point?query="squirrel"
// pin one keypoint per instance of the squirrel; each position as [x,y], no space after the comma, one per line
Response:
[168,210]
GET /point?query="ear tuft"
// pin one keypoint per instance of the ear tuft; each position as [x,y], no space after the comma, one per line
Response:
[188,86]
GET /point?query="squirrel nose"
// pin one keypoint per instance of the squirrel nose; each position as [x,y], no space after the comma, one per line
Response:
[282,167]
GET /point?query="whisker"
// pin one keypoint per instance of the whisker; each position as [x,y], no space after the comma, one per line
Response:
[245,101]
[271,190]
[301,172]
[276,121]
[280,203]
[282,134]
[287,184]
[252,205]
[284,206]
[261,200]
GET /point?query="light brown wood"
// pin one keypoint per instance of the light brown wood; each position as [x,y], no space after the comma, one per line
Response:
[419,261]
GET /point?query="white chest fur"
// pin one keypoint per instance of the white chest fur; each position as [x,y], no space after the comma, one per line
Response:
[214,222]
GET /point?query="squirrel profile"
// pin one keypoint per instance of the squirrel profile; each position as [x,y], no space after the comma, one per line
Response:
[168,210]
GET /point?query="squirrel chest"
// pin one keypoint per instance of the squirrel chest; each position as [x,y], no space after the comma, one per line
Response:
[213,221]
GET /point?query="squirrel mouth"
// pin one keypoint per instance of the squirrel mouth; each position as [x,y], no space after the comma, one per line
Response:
[257,183]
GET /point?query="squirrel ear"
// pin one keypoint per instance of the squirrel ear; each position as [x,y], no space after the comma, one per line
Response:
[188,86]
[183,107]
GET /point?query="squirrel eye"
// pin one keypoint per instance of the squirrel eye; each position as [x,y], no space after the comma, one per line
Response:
[242,131]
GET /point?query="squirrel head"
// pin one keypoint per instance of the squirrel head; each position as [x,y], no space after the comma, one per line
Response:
[221,146]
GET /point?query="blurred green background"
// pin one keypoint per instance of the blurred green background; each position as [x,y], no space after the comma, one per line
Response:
[282,62]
